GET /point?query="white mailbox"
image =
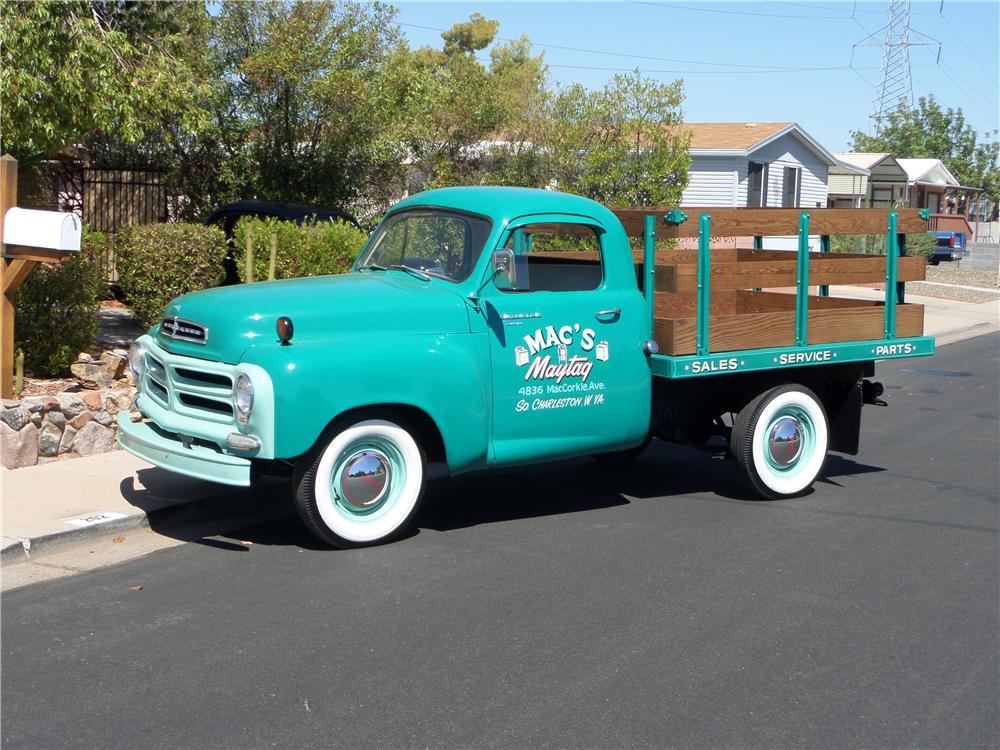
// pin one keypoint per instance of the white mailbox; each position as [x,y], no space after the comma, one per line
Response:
[46,229]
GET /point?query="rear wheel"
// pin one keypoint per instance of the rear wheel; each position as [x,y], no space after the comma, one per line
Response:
[362,486]
[780,441]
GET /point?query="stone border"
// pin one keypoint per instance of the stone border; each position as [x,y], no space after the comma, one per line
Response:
[37,429]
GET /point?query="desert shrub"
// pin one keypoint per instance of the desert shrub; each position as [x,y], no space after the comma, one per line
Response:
[307,250]
[56,308]
[917,243]
[157,262]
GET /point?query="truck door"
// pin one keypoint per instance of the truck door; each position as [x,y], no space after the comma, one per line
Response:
[569,373]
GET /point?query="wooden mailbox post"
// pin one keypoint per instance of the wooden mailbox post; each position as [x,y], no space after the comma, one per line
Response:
[16,263]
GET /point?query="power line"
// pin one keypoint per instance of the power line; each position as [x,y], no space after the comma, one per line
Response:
[967,49]
[971,99]
[736,12]
[986,24]
[739,66]
[701,72]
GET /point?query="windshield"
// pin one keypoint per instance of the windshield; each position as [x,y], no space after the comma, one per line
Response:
[436,242]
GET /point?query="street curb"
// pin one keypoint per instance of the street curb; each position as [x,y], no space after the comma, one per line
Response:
[960,334]
[208,512]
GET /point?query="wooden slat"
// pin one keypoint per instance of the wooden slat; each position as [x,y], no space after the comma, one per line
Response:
[823,269]
[861,321]
[773,222]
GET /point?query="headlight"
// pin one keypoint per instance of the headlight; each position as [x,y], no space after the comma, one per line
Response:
[243,398]
[136,360]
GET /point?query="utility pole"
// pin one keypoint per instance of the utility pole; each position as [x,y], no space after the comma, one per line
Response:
[895,84]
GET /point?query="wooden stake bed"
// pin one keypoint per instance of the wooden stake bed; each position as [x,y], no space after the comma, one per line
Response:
[742,319]
[677,271]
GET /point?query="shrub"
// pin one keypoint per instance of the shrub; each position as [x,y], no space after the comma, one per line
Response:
[917,243]
[157,262]
[56,309]
[307,250]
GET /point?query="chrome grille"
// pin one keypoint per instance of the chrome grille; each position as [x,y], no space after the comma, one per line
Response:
[188,390]
[184,330]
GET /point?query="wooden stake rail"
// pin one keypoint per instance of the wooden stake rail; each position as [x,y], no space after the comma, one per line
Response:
[771,222]
[743,319]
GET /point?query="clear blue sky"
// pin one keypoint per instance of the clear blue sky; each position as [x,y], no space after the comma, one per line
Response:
[829,104]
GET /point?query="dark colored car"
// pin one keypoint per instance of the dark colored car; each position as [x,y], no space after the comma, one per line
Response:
[226,217]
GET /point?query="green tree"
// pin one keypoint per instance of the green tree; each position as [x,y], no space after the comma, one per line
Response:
[622,144]
[72,70]
[301,117]
[463,121]
[928,131]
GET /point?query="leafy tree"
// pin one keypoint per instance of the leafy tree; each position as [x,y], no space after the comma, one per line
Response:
[301,117]
[459,117]
[71,70]
[622,144]
[928,131]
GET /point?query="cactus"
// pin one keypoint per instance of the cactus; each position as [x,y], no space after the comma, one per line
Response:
[274,256]
[18,373]
[248,277]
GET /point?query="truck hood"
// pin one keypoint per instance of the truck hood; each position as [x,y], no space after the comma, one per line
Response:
[386,303]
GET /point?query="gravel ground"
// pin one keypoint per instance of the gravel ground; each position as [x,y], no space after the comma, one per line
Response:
[950,274]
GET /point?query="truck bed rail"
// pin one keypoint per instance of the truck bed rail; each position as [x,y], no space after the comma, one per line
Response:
[837,330]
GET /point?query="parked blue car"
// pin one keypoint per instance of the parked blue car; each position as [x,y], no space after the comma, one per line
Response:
[950,246]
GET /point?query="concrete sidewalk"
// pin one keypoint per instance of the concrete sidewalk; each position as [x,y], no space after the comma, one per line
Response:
[52,506]
[44,507]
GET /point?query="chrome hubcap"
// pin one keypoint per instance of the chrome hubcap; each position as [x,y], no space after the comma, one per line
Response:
[784,442]
[365,480]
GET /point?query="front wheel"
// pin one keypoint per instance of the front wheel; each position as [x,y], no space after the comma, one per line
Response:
[362,486]
[780,441]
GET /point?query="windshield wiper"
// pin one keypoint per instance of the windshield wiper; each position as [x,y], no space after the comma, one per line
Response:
[372,267]
[413,271]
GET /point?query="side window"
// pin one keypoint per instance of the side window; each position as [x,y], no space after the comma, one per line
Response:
[557,257]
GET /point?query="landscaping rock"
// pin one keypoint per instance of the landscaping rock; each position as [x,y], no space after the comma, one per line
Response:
[56,418]
[93,438]
[113,364]
[71,405]
[81,419]
[93,400]
[33,405]
[49,438]
[66,443]
[84,357]
[15,418]
[101,417]
[19,447]
[122,398]
[36,417]
[9,404]
[90,375]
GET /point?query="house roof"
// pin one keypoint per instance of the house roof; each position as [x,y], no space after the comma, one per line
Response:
[731,135]
[930,171]
[864,159]
[743,138]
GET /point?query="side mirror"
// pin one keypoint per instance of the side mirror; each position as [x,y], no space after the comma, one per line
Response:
[505,270]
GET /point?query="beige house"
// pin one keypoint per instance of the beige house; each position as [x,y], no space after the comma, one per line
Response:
[867,180]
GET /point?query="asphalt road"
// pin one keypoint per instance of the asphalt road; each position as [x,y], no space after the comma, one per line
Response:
[565,606]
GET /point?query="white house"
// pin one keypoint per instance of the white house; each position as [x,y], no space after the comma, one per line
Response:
[756,164]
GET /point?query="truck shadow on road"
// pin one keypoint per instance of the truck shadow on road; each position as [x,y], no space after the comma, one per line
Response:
[265,514]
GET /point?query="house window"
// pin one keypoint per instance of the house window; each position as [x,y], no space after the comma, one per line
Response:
[881,197]
[756,185]
[790,192]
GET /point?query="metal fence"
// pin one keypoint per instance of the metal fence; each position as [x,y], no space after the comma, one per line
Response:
[116,198]
[113,199]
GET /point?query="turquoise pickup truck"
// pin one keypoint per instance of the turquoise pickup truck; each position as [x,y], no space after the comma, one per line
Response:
[484,327]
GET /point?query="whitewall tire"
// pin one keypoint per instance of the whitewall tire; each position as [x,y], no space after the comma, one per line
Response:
[361,486]
[780,441]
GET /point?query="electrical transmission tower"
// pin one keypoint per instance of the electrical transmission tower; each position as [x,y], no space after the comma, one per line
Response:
[895,85]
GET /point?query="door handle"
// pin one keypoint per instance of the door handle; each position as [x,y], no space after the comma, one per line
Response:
[611,312]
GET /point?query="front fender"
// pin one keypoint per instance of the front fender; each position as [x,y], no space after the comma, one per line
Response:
[445,375]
